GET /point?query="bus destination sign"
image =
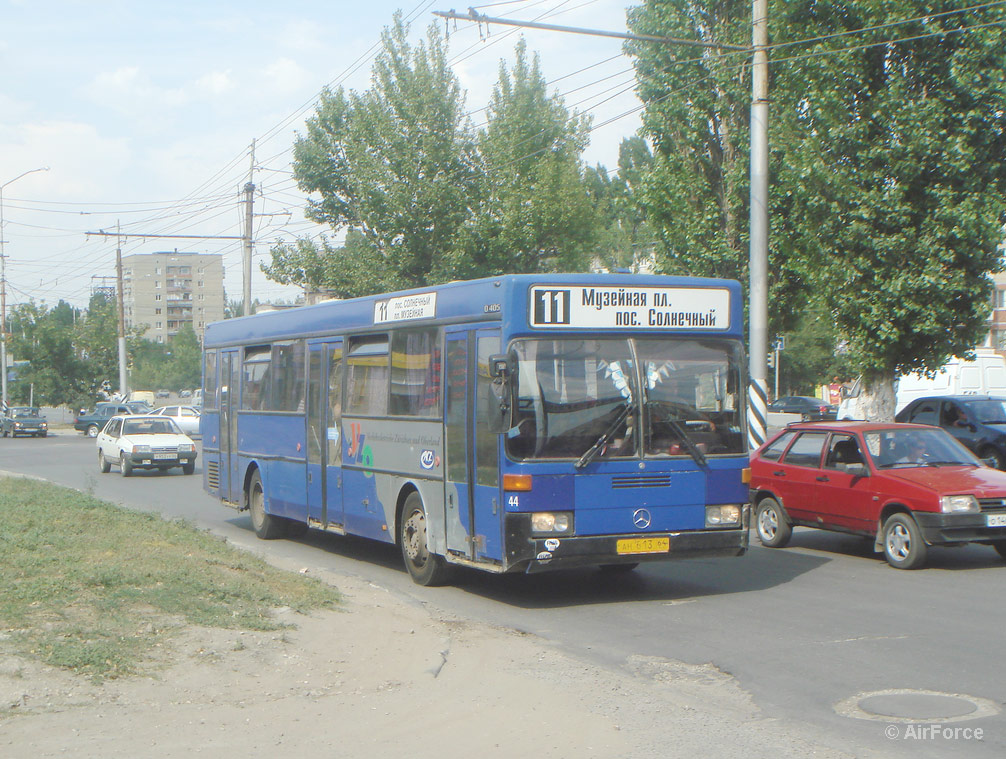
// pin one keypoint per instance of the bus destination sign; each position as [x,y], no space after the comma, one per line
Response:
[599,307]
[406,308]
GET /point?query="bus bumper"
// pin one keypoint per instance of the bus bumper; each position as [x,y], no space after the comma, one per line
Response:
[539,554]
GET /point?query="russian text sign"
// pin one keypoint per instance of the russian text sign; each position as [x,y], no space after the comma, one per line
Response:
[586,307]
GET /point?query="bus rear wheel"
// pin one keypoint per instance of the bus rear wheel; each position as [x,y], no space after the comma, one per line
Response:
[266,526]
[426,568]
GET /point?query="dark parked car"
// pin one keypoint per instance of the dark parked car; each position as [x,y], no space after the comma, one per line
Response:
[91,422]
[906,486]
[978,421]
[809,409]
[24,420]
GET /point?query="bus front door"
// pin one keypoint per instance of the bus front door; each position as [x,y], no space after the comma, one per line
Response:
[324,423]
[230,381]
[473,515]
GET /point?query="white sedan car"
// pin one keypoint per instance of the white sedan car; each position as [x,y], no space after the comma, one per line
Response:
[144,442]
[186,417]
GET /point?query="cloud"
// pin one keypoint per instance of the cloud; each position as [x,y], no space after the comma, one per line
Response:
[215,83]
[80,158]
[285,75]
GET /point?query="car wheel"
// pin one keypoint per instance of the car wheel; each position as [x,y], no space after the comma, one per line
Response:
[266,526]
[1000,546]
[996,457]
[904,547]
[189,467]
[92,430]
[426,568]
[103,464]
[773,529]
[125,465]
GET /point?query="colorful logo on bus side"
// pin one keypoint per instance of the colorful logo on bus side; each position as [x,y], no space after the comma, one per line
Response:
[358,452]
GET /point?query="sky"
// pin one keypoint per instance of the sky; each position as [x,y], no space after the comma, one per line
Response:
[144,115]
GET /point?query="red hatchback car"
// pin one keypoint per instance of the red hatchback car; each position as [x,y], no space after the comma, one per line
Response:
[908,486]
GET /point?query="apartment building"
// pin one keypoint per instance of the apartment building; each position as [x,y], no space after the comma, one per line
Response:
[166,291]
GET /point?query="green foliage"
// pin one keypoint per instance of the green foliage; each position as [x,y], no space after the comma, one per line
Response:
[696,193]
[57,373]
[887,179]
[395,163]
[810,358]
[348,271]
[175,366]
[894,162]
[625,239]
[536,214]
[422,196]
[95,588]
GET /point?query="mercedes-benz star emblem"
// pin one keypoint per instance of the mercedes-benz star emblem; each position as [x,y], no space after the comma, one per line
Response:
[641,518]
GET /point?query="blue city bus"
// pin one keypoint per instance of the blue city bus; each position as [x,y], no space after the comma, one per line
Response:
[518,423]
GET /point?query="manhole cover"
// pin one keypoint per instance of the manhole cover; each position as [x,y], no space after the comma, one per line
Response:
[916,706]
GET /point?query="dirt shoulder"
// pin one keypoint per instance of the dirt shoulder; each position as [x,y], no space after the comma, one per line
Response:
[380,678]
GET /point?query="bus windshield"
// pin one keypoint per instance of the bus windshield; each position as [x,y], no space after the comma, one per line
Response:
[653,397]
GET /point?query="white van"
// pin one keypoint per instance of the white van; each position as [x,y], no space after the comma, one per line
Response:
[986,375]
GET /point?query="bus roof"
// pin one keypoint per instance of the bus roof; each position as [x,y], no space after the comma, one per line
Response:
[461,301]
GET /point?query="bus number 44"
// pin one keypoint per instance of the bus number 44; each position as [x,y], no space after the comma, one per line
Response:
[512,502]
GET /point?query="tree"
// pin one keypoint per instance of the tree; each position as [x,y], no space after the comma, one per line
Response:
[347,271]
[696,194]
[625,239]
[536,214]
[887,180]
[898,188]
[396,163]
[56,373]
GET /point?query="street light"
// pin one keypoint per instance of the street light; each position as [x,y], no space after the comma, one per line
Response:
[3,283]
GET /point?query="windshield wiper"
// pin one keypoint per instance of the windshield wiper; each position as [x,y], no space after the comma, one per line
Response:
[693,450]
[591,453]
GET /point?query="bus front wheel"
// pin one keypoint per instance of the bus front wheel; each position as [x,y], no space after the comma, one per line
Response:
[266,527]
[426,568]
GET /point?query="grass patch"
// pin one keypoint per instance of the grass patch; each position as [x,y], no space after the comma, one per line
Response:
[93,587]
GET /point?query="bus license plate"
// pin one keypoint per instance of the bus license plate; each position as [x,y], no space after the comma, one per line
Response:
[995,520]
[643,545]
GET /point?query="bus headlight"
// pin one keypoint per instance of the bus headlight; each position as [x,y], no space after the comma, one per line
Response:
[959,504]
[552,522]
[725,515]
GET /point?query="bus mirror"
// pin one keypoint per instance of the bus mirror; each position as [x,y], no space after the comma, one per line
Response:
[500,416]
[499,367]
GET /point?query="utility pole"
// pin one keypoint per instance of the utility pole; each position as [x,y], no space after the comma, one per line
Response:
[3,287]
[758,253]
[758,261]
[120,298]
[249,216]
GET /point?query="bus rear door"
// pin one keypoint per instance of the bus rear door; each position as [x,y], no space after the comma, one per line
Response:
[230,381]
[324,425]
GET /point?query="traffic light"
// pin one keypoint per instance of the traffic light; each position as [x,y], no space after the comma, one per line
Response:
[771,360]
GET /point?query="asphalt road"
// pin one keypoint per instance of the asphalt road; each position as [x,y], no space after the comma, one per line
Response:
[802,629]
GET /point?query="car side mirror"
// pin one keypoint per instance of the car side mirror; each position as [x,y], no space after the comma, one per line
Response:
[857,470]
[991,462]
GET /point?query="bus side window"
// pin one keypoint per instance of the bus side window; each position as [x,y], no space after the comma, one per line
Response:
[367,376]
[415,373]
